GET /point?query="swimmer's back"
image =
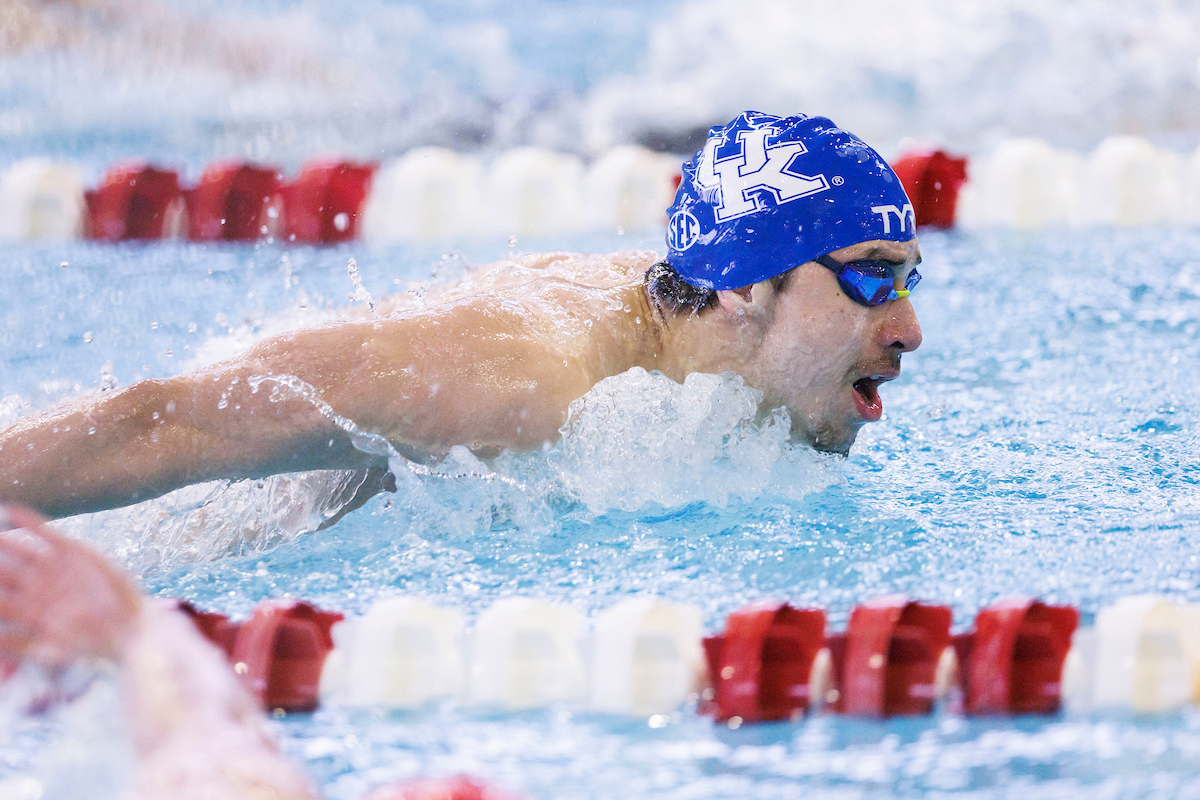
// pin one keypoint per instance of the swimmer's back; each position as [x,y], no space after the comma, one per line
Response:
[534,275]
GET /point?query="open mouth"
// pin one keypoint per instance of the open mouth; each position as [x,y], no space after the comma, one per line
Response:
[866,398]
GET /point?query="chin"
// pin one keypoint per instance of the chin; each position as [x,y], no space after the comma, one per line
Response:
[829,439]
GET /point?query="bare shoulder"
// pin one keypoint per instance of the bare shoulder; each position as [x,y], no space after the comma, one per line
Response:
[584,270]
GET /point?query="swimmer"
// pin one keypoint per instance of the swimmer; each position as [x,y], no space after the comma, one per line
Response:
[791,253]
[196,730]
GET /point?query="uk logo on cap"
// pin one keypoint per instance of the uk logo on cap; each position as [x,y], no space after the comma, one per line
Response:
[766,194]
[739,180]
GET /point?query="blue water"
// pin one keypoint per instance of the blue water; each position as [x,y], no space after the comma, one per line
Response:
[1042,441]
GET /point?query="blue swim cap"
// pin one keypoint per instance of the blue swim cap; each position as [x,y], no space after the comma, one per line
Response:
[767,194]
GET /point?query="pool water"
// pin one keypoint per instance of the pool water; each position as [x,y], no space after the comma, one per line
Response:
[1042,441]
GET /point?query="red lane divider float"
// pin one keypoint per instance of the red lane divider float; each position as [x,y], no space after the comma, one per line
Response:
[135,201]
[1012,662]
[217,628]
[459,787]
[886,662]
[760,666]
[932,179]
[324,203]
[234,202]
[280,650]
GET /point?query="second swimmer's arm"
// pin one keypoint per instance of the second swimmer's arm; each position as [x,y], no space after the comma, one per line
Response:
[196,730]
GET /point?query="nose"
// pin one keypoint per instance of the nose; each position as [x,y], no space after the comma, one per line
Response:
[899,329]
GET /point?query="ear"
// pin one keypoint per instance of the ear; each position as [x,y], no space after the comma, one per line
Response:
[753,302]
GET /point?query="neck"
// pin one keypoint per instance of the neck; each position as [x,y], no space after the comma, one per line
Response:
[629,333]
[709,341]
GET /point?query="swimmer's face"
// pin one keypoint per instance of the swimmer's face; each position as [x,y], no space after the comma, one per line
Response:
[823,356]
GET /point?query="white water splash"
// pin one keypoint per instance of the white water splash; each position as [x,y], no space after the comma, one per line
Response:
[641,438]
[360,294]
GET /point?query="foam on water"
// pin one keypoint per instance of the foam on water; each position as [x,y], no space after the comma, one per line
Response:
[641,438]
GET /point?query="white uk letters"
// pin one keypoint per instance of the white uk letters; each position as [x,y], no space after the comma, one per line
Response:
[742,178]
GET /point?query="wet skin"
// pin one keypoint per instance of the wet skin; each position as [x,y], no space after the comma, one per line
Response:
[491,363]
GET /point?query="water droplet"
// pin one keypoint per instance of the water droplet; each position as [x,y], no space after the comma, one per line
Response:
[360,293]
[108,381]
[63,265]
[512,241]
[341,222]
[191,327]
[223,402]
[153,324]
[272,212]
[88,336]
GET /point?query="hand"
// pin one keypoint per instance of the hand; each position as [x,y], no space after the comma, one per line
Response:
[60,600]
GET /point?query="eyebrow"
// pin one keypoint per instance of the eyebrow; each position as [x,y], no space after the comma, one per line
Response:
[877,253]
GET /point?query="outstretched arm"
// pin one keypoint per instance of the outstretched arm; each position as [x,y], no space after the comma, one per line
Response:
[196,730]
[121,447]
[471,374]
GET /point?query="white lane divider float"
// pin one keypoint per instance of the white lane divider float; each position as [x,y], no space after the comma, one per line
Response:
[1143,655]
[646,657]
[428,194]
[535,192]
[41,199]
[403,653]
[526,653]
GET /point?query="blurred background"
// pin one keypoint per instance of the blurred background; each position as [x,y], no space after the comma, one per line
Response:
[191,80]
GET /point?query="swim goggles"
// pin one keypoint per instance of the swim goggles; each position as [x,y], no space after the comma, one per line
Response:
[869,282]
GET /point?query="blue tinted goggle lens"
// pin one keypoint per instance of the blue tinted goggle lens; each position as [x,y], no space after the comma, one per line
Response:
[868,282]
